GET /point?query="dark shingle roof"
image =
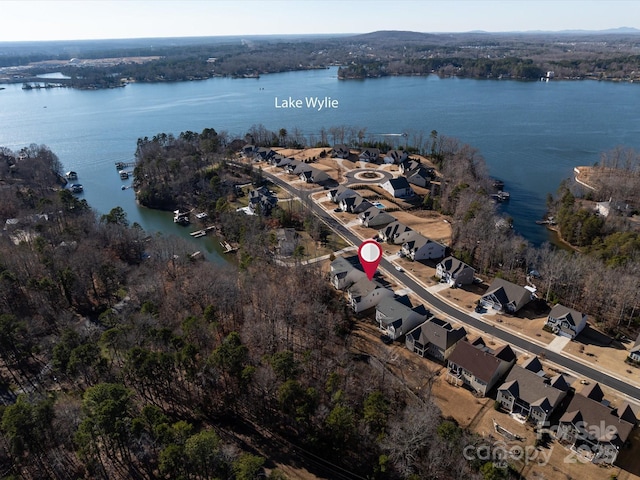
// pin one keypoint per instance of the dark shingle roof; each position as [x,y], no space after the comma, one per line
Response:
[479,362]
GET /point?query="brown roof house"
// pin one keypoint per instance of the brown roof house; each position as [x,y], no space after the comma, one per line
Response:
[566,321]
[397,316]
[454,272]
[591,427]
[478,366]
[435,338]
[528,392]
[505,296]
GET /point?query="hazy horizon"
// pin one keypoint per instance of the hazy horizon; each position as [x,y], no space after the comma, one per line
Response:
[64,20]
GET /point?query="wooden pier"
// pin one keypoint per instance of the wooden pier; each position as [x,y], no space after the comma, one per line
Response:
[123,165]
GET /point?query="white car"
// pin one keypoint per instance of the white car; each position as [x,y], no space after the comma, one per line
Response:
[400,269]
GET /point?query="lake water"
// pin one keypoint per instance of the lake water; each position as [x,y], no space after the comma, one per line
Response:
[531,134]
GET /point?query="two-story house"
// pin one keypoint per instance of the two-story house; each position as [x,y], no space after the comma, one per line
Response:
[566,321]
[422,248]
[593,428]
[454,272]
[477,366]
[375,217]
[365,294]
[505,296]
[397,316]
[434,338]
[528,392]
[345,271]
[634,353]
[398,187]
[393,231]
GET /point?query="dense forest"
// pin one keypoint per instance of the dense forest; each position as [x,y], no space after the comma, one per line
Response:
[602,56]
[123,357]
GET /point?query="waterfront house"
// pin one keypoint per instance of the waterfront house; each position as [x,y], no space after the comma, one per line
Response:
[392,231]
[477,366]
[397,316]
[420,247]
[454,272]
[345,271]
[634,353]
[369,155]
[566,321]
[280,161]
[505,296]
[434,338]
[420,176]
[408,166]
[263,154]
[262,200]
[398,187]
[248,151]
[395,156]
[528,392]
[340,151]
[365,294]
[593,428]
[374,217]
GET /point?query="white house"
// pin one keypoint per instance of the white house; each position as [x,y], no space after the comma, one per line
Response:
[566,321]
[374,217]
[355,204]
[634,353]
[392,231]
[398,187]
[337,194]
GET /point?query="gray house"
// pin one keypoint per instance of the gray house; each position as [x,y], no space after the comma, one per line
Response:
[526,391]
[340,151]
[369,155]
[355,204]
[435,338]
[454,272]
[365,294]
[393,231]
[505,296]
[420,176]
[337,194]
[566,321]
[422,248]
[478,366]
[345,271]
[396,156]
[397,316]
[375,218]
[593,426]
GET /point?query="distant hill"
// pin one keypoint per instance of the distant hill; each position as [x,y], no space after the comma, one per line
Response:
[394,36]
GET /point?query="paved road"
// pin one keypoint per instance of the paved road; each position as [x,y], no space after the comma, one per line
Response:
[437,303]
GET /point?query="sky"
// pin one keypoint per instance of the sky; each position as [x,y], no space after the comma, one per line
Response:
[28,20]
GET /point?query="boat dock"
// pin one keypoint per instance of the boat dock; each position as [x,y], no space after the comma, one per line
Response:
[228,248]
[203,232]
[123,165]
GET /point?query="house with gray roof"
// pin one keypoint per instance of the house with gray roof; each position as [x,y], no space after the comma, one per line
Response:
[593,428]
[365,294]
[434,338]
[345,271]
[634,353]
[420,247]
[375,217]
[397,316]
[408,166]
[565,321]
[477,366]
[340,151]
[505,296]
[355,204]
[393,231]
[369,155]
[262,200]
[420,176]
[396,156]
[528,392]
[293,167]
[398,187]
[454,272]
[337,194]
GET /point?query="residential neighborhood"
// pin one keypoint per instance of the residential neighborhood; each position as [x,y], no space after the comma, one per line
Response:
[524,386]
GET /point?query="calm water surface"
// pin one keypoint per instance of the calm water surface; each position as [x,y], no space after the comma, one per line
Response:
[531,134]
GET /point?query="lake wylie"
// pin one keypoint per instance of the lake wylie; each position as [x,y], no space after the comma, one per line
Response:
[531,134]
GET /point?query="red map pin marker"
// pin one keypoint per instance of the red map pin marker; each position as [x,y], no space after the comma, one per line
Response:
[370,254]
